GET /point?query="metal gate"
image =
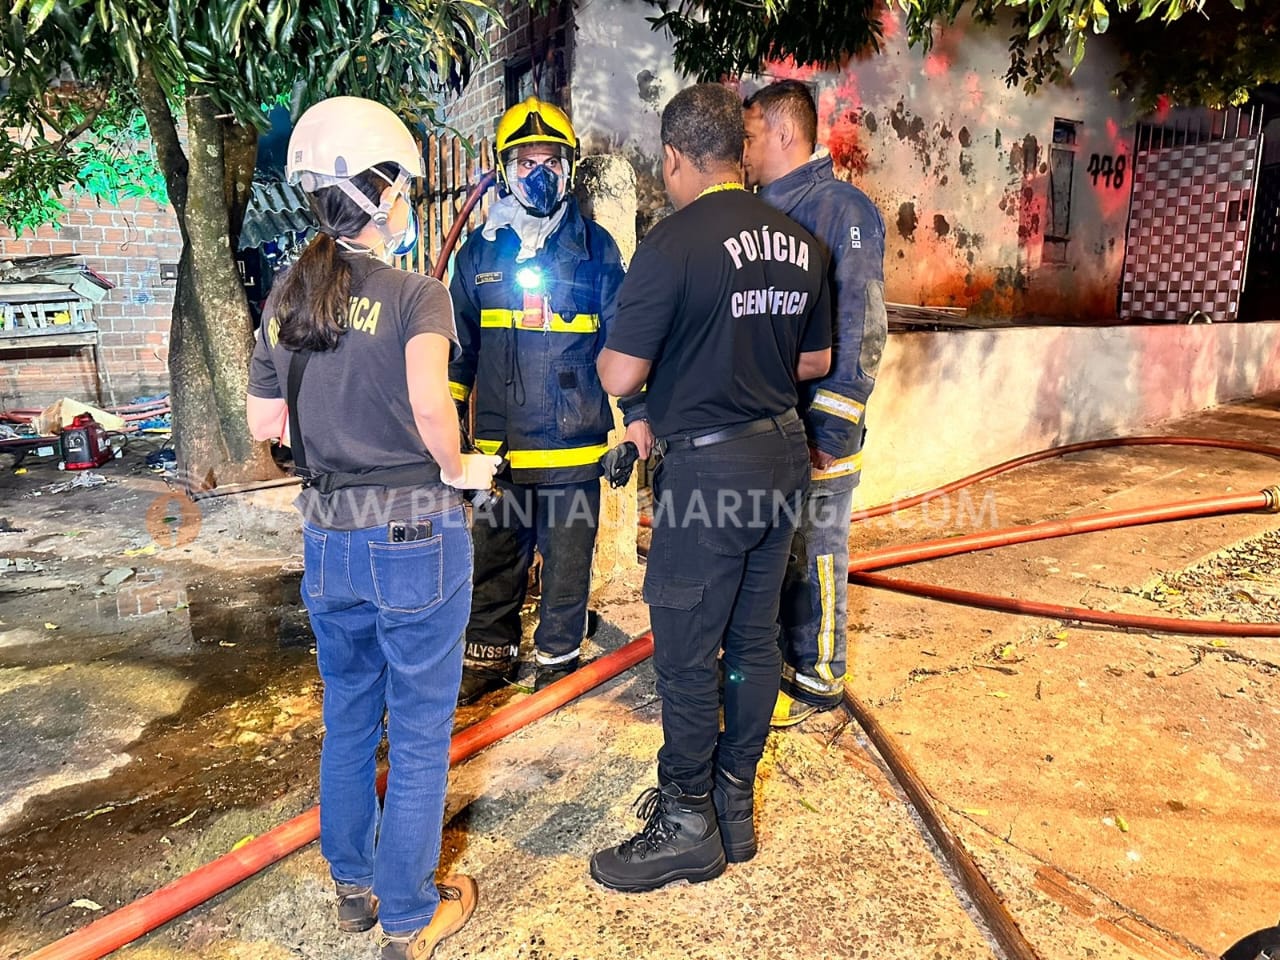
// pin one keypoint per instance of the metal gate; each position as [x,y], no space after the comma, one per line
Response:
[1189,224]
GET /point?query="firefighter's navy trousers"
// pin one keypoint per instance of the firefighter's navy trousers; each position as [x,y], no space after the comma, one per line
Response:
[560,521]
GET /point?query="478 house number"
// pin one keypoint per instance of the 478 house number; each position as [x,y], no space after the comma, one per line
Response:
[1109,169]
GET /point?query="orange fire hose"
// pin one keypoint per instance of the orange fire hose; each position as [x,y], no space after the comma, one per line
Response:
[1052,452]
[861,565]
[1267,501]
[1034,608]
[460,221]
[132,921]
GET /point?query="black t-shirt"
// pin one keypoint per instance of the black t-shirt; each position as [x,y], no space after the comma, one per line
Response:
[722,296]
[353,407]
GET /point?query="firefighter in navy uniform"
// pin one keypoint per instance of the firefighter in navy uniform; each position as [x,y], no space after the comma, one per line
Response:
[723,309]
[782,125]
[532,292]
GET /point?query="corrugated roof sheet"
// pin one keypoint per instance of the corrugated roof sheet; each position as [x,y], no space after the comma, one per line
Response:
[275,208]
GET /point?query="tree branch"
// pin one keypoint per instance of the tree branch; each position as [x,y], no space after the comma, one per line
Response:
[66,137]
[164,134]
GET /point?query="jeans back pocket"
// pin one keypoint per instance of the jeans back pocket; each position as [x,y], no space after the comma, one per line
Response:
[408,577]
[313,548]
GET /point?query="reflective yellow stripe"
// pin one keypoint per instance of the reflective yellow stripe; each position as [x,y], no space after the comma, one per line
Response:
[547,459]
[841,468]
[459,391]
[838,406]
[827,622]
[578,323]
[489,446]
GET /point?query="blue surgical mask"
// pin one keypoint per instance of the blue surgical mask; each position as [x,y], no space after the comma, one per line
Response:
[543,190]
[409,239]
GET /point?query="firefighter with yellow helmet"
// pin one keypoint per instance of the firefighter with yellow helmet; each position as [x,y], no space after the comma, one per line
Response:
[533,292]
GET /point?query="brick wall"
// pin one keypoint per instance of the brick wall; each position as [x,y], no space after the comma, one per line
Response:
[126,245]
[476,111]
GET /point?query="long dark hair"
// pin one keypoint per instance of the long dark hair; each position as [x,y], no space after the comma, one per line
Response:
[315,294]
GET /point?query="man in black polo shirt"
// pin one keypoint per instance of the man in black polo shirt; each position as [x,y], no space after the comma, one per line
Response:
[724,308]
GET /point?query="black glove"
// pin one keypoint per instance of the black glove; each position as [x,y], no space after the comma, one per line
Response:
[619,462]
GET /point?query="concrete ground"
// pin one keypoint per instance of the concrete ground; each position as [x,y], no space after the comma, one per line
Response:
[159,704]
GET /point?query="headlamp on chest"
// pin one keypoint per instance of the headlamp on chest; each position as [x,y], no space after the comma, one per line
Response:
[529,279]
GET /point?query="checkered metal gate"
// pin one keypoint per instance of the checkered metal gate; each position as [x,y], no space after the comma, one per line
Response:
[1266,232]
[1189,225]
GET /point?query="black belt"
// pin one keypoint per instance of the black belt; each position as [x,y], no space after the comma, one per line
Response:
[409,475]
[739,431]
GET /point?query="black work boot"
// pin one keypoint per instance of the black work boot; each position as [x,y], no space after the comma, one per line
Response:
[357,908]
[550,673]
[481,676]
[680,841]
[735,801]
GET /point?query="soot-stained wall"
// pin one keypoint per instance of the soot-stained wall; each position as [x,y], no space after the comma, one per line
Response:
[984,209]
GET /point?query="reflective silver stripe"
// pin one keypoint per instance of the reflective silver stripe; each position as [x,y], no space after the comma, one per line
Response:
[827,623]
[545,661]
[818,686]
[838,406]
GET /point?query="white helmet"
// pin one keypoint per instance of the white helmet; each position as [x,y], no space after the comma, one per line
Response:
[344,136]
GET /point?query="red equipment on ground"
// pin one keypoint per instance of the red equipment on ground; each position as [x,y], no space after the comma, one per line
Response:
[85,445]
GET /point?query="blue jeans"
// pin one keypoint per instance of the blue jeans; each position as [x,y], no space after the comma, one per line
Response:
[814,645]
[388,619]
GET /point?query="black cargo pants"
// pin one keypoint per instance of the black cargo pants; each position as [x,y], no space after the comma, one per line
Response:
[724,516]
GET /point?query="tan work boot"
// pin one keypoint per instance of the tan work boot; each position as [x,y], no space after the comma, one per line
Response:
[457,902]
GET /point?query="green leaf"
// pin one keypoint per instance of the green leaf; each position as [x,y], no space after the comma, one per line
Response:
[1051,11]
[332,74]
[39,14]
[275,12]
[1077,56]
[231,28]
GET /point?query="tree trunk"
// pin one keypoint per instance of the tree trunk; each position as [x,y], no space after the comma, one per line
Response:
[606,188]
[213,441]
[241,145]
[210,335]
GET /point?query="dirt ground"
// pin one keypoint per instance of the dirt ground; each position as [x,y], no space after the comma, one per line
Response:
[159,704]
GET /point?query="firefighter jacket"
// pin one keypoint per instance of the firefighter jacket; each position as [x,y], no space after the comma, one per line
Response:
[530,333]
[851,229]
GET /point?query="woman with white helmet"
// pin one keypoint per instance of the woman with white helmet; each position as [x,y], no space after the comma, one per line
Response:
[351,368]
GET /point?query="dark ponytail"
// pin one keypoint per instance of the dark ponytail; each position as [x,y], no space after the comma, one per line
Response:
[314,296]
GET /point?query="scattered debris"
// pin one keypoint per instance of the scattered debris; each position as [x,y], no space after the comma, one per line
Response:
[20,565]
[117,576]
[86,904]
[1240,583]
[80,481]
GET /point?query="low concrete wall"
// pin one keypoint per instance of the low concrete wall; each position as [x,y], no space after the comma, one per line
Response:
[948,404]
